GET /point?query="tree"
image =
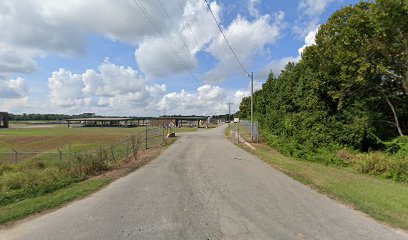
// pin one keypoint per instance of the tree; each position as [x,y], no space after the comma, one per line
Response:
[349,89]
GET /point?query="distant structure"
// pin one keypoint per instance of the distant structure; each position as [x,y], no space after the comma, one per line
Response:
[4,120]
[88,115]
[180,121]
[164,121]
[102,122]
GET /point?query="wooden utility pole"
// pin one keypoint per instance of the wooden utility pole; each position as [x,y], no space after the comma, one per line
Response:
[229,113]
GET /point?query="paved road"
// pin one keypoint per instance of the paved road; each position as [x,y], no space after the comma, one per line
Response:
[203,187]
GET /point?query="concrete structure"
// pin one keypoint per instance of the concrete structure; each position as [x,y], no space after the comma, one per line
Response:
[180,121]
[4,120]
[173,121]
[103,122]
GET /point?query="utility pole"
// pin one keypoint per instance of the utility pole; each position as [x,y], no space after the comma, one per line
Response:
[229,113]
[252,105]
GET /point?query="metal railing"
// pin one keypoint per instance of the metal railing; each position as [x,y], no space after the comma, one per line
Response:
[149,138]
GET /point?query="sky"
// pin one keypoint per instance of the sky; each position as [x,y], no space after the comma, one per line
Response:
[147,57]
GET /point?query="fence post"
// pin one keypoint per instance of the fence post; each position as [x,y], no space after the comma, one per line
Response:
[60,155]
[238,132]
[127,148]
[233,134]
[15,156]
[146,136]
[257,133]
[163,132]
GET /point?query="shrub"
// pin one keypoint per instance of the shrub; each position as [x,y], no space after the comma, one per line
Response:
[398,146]
[384,165]
[15,186]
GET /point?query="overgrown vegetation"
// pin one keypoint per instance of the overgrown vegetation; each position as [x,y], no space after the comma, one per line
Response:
[36,177]
[346,101]
[57,198]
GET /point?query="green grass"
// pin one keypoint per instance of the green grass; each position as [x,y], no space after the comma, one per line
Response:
[62,130]
[38,204]
[382,199]
[60,137]
[44,181]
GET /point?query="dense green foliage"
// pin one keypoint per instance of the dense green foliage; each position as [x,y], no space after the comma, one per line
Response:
[21,209]
[349,90]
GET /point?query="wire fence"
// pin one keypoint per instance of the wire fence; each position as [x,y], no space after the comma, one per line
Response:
[243,129]
[149,138]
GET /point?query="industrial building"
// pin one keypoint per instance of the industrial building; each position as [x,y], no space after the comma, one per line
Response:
[102,122]
[4,120]
[166,121]
[180,121]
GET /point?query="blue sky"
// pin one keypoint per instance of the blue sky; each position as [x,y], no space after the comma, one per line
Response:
[104,56]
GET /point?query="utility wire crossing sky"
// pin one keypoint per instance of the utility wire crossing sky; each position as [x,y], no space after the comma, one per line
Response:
[139,57]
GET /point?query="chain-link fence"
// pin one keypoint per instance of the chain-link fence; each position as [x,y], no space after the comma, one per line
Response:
[149,138]
[244,128]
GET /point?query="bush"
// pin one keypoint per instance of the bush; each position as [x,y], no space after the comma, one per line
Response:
[384,165]
[15,186]
[289,146]
[35,177]
[398,146]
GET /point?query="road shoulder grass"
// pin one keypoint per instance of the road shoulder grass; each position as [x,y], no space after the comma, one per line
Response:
[11,213]
[382,199]
[19,210]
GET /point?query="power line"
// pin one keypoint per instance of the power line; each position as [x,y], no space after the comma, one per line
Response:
[158,30]
[192,33]
[175,28]
[225,38]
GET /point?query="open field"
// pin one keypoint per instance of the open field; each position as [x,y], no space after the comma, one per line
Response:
[61,137]
[66,139]
[42,182]
[382,199]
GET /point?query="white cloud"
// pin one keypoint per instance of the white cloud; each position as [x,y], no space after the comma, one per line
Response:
[252,4]
[309,15]
[207,100]
[175,54]
[313,8]
[35,28]
[247,38]
[110,86]
[66,89]
[310,39]
[13,88]
[241,93]
[276,66]
[15,59]
[14,95]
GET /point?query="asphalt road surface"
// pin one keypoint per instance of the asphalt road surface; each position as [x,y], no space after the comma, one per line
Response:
[204,187]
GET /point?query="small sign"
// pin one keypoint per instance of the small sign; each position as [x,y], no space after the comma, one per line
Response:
[236,120]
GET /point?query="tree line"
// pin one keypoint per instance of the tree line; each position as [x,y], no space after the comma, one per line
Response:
[350,89]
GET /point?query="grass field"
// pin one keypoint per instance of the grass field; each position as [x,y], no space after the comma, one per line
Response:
[61,137]
[38,204]
[42,182]
[382,199]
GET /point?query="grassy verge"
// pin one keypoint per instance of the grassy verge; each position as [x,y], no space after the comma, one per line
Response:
[30,190]
[382,199]
[19,210]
